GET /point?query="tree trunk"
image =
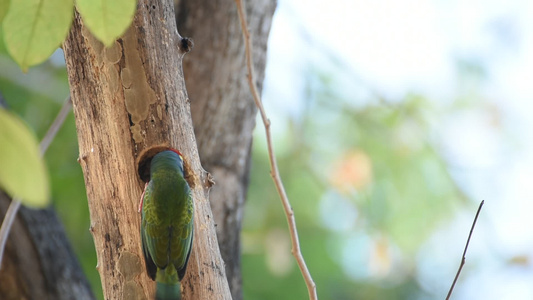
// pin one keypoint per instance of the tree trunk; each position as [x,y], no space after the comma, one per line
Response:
[130,100]
[38,262]
[222,107]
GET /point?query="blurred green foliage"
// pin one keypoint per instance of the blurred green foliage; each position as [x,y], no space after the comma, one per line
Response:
[367,186]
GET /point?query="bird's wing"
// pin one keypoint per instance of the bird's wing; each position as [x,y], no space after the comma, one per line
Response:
[154,235]
[181,243]
[151,268]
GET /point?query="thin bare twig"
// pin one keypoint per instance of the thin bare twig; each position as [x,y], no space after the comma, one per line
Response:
[274,172]
[13,208]
[56,125]
[6,225]
[463,259]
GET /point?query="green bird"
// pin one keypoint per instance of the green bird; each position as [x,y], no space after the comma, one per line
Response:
[167,223]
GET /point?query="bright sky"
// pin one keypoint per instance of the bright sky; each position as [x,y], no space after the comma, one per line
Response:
[413,45]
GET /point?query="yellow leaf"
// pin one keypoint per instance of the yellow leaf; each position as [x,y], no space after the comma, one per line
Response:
[107,20]
[34,29]
[4,6]
[22,173]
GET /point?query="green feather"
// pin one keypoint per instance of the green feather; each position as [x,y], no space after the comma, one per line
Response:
[167,288]
[168,291]
[167,224]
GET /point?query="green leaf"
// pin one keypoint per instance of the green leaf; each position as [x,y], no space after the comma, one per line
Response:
[4,6]
[33,29]
[23,173]
[107,20]
[3,50]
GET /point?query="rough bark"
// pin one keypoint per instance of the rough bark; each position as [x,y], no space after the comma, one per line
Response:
[39,262]
[222,107]
[129,100]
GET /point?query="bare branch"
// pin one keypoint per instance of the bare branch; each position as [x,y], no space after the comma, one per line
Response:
[15,202]
[311,287]
[463,259]
[6,225]
[56,125]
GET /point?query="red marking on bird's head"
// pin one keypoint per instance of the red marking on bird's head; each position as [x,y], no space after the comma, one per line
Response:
[177,152]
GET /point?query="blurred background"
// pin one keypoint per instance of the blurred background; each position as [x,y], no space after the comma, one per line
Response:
[392,120]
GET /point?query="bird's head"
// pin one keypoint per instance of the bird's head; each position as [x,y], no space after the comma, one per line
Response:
[167,159]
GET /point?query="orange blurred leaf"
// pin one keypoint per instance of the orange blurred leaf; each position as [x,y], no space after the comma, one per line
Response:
[352,171]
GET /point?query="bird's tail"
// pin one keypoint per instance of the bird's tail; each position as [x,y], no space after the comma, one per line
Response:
[167,291]
[168,286]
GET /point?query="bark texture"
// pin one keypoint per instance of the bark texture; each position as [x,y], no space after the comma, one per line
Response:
[39,262]
[129,100]
[222,107]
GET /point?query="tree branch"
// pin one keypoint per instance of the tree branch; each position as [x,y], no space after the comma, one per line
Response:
[274,172]
[463,259]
